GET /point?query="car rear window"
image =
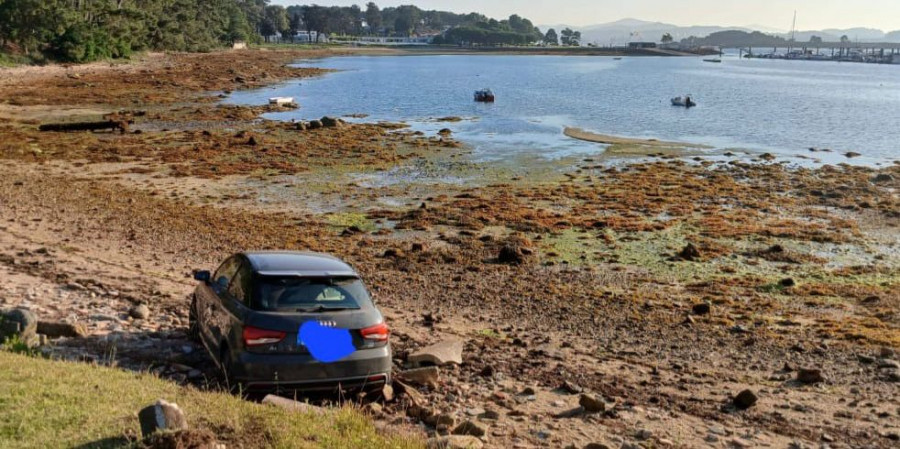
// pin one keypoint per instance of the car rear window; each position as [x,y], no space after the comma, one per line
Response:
[293,293]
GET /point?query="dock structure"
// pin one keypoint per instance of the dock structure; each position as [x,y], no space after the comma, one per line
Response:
[868,52]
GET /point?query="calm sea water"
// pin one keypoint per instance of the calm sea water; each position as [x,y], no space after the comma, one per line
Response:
[784,107]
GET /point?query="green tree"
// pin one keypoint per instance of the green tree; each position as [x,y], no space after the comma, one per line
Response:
[551,38]
[667,38]
[569,37]
[407,19]
[373,17]
[845,39]
[815,40]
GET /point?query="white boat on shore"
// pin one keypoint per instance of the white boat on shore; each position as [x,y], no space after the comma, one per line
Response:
[280,101]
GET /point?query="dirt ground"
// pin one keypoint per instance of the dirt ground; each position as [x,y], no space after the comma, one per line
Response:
[661,289]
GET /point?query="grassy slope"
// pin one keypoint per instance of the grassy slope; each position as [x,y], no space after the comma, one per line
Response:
[47,403]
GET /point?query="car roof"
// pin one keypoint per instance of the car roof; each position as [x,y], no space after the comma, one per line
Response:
[297,263]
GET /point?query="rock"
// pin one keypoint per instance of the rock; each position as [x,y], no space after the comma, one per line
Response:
[315,124]
[454,442]
[489,414]
[387,393]
[439,354]
[469,427]
[702,308]
[374,408]
[427,376]
[787,282]
[767,157]
[591,403]
[690,253]
[487,371]
[528,391]
[810,376]
[597,446]
[139,312]
[643,435]
[888,364]
[161,416]
[331,122]
[441,419]
[301,126]
[745,400]
[882,178]
[409,392]
[21,323]
[852,154]
[515,250]
[291,405]
[445,132]
[886,352]
[570,387]
[58,329]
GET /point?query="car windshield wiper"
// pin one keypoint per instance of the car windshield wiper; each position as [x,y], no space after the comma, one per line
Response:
[320,308]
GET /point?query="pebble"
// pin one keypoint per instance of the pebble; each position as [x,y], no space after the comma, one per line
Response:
[139,312]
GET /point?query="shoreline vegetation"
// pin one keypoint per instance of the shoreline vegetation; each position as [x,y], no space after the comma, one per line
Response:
[598,303]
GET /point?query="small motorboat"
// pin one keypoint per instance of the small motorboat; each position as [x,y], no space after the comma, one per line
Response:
[281,101]
[617,58]
[684,102]
[484,96]
[714,60]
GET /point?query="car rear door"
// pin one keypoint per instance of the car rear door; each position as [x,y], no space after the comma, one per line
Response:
[210,300]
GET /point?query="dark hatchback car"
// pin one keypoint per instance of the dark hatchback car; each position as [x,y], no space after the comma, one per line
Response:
[249,313]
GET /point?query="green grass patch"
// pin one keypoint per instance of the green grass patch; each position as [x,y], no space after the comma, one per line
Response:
[49,404]
[350,219]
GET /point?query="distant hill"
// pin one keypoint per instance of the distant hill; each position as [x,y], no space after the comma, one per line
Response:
[628,30]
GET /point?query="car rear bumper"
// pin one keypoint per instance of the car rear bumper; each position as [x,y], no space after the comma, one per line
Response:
[365,369]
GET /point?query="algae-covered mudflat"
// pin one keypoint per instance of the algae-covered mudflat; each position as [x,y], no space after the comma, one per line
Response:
[660,286]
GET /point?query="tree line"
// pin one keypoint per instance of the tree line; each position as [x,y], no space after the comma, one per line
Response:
[86,30]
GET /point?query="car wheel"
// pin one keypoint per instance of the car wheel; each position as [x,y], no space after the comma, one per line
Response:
[193,324]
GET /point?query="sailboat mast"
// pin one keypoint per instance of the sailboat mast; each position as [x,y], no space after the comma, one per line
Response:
[793,32]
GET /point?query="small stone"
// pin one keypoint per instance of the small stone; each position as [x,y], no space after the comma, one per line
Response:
[810,376]
[472,428]
[643,435]
[591,403]
[690,253]
[570,387]
[882,178]
[888,364]
[745,399]
[528,391]
[427,376]
[702,308]
[139,312]
[487,371]
[387,393]
[787,282]
[886,352]
[492,415]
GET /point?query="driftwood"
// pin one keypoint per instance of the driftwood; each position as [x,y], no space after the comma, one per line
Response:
[120,125]
[114,121]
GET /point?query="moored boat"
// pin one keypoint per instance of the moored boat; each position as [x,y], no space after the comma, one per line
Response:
[685,102]
[484,96]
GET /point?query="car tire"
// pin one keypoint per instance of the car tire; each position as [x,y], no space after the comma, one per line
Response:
[193,323]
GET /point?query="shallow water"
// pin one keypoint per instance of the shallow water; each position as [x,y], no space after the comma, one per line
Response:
[784,107]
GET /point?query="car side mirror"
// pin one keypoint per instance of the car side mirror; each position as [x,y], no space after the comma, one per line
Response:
[202,276]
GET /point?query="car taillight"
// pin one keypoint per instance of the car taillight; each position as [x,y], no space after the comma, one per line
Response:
[255,337]
[378,332]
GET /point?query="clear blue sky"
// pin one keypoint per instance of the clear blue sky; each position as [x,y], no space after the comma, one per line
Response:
[777,14]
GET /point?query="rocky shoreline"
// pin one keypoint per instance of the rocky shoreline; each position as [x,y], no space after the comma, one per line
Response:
[657,304]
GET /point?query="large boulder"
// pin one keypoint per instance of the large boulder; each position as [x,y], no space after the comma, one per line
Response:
[57,329]
[438,354]
[18,323]
[331,122]
[161,416]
